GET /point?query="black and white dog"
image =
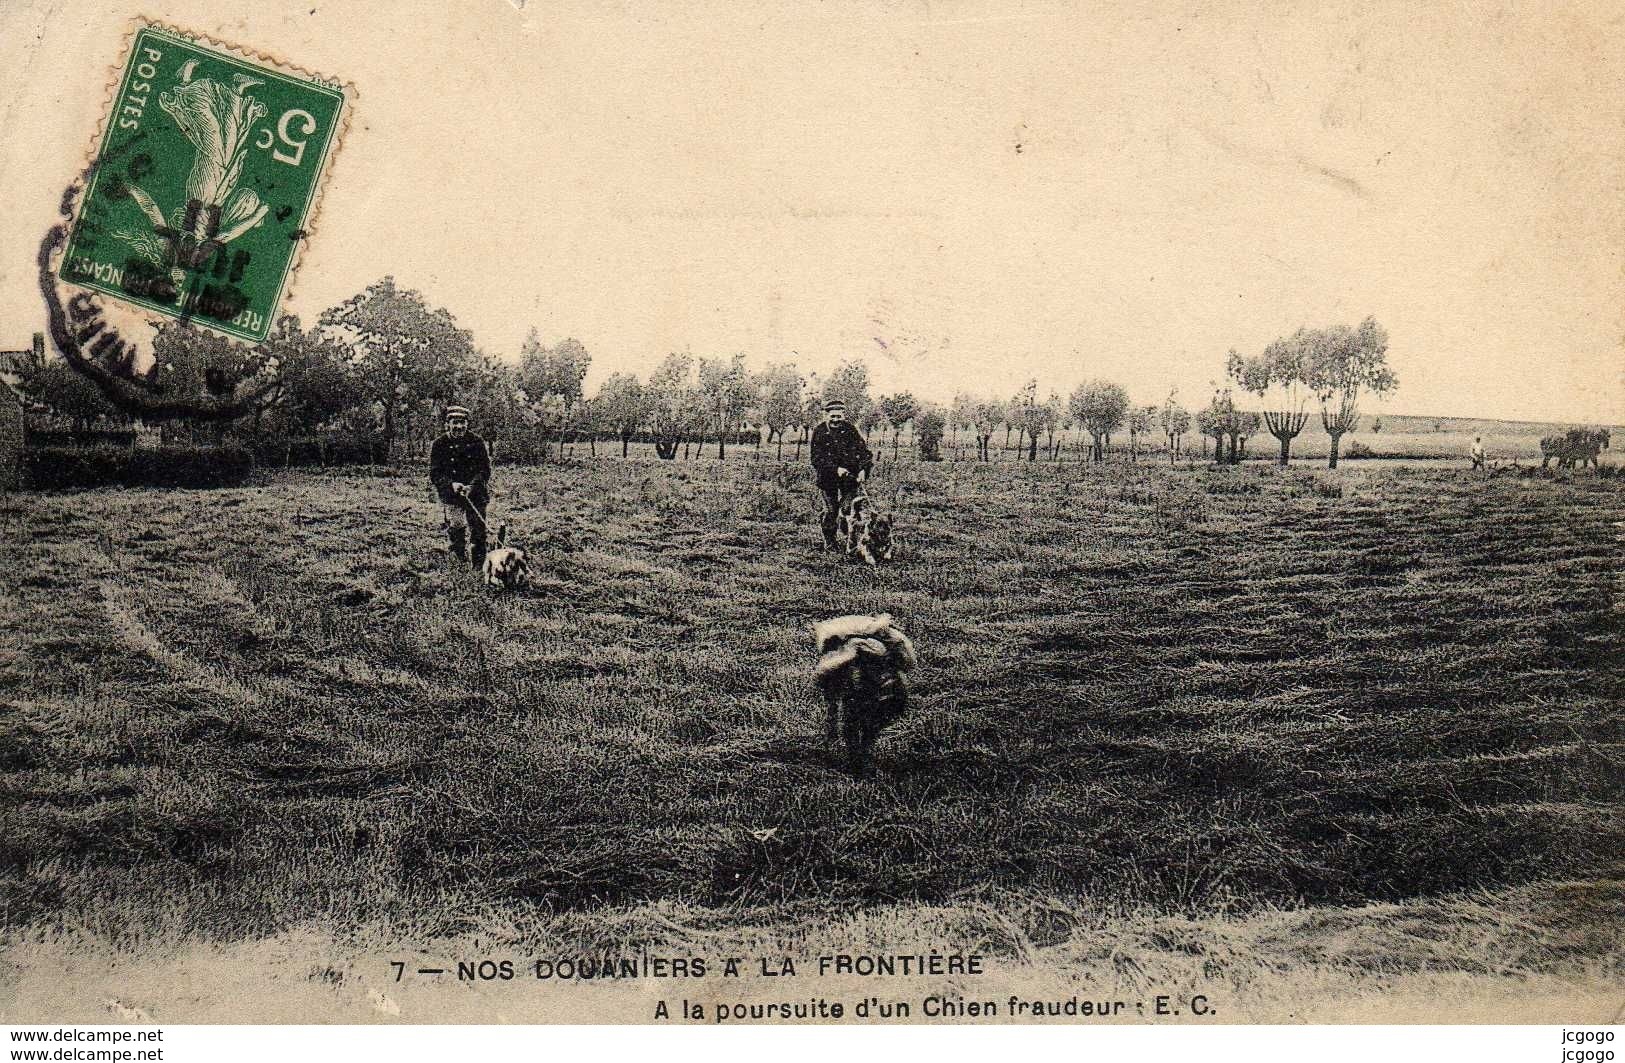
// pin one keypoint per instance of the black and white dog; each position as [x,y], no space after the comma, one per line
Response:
[861,661]
[505,566]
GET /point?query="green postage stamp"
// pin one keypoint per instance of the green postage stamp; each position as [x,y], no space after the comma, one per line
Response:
[205,182]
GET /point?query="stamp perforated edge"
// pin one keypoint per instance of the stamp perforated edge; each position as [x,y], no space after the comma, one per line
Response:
[110,91]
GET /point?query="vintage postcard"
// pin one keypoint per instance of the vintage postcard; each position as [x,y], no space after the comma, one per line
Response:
[780,513]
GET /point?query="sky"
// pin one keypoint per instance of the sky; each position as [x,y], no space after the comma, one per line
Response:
[966,195]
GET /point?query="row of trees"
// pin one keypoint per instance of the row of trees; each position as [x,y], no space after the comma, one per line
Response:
[383,364]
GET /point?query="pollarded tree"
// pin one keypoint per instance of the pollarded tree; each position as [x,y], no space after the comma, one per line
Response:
[1055,416]
[1140,420]
[1028,415]
[989,414]
[623,407]
[812,412]
[961,415]
[674,403]
[1344,364]
[1175,421]
[1214,421]
[1243,426]
[728,390]
[870,420]
[1100,407]
[898,410]
[1279,377]
[928,433]
[780,388]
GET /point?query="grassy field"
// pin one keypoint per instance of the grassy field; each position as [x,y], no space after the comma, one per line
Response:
[1188,693]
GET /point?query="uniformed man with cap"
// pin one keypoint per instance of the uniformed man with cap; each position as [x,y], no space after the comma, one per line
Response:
[842,461]
[460,469]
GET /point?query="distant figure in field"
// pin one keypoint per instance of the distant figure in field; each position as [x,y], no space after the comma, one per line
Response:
[460,469]
[842,461]
[1478,452]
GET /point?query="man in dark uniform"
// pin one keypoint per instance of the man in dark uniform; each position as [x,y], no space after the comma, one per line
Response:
[842,460]
[460,468]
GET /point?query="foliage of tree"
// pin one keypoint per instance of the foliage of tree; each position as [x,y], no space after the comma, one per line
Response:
[783,407]
[1175,421]
[1140,420]
[1101,407]
[676,408]
[623,406]
[409,356]
[1279,377]
[850,384]
[729,391]
[898,410]
[68,393]
[316,382]
[558,370]
[1029,416]
[928,429]
[1343,365]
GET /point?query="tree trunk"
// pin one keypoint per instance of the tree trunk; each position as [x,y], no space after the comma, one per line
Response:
[1032,446]
[626,439]
[1286,449]
[1331,460]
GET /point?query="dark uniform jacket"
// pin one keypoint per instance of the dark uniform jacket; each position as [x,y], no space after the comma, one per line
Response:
[463,461]
[838,447]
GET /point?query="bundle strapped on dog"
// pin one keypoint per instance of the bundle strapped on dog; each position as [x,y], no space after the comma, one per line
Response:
[861,661]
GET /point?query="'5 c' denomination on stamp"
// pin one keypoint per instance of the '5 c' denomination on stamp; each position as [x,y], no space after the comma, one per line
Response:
[204,182]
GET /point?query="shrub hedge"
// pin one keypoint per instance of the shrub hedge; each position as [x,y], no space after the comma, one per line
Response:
[52,468]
